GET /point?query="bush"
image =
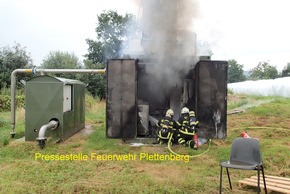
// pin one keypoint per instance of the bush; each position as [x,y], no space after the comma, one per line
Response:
[3,122]
[5,102]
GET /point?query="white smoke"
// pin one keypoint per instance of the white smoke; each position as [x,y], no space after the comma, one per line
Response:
[168,40]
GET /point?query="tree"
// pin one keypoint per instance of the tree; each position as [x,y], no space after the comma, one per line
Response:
[96,82]
[114,32]
[62,60]
[96,51]
[286,70]
[235,72]
[264,71]
[12,58]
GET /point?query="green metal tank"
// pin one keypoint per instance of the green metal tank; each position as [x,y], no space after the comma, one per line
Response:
[51,98]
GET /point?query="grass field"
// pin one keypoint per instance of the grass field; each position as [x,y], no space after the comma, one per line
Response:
[267,119]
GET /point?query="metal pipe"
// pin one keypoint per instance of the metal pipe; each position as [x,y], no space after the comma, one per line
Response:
[101,71]
[13,93]
[42,72]
[51,125]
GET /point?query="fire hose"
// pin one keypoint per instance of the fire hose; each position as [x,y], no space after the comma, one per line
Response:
[209,143]
[190,156]
[261,128]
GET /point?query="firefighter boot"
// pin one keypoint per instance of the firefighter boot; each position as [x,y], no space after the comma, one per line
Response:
[192,144]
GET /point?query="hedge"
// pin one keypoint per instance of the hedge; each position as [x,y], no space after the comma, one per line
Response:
[5,102]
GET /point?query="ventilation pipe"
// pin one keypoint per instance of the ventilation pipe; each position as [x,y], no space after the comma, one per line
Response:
[52,125]
[42,72]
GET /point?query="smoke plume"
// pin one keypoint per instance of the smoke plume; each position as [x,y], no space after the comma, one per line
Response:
[168,39]
[167,26]
[168,42]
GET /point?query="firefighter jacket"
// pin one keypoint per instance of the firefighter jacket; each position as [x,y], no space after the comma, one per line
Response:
[166,127]
[184,121]
[193,123]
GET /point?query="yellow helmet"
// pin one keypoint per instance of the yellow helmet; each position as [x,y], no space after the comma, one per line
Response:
[184,110]
[169,113]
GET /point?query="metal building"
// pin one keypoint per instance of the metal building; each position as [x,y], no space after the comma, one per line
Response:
[50,98]
[135,100]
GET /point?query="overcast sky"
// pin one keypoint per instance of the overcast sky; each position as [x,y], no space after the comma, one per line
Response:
[248,31]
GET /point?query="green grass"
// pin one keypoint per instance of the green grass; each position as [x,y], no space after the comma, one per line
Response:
[243,101]
[21,173]
[237,104]
[278,107]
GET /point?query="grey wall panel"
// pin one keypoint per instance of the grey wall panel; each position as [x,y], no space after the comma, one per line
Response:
[211,90]
[121,109]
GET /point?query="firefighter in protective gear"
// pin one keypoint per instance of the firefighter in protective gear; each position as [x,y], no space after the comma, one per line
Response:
[166,127]
[193,123]
[184,110]
[186,132]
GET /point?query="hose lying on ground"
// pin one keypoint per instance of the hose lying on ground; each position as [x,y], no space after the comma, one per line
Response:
[260,127]
[209,142]
[190,156]
[266,128]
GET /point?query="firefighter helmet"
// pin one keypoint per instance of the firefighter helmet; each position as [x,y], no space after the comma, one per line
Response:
[169,113]
[191,113]
[184,110]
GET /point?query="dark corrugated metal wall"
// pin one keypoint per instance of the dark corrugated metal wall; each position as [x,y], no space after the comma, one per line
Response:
[211,93]
[121,106]
[205,92]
